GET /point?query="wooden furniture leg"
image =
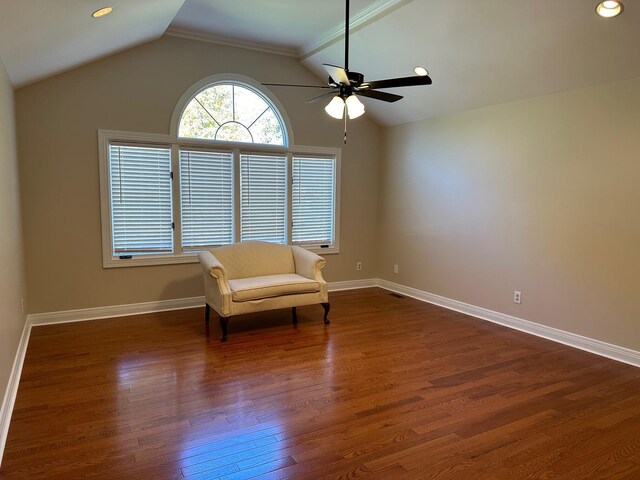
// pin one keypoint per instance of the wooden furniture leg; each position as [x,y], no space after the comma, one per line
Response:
[207,311]
[223,323]
[326,307]
[294,315]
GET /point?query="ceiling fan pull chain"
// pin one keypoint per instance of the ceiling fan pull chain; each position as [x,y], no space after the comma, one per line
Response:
[345,128]
[345,87]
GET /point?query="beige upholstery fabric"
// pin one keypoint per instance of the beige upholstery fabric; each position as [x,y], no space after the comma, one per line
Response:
[254,288]
[255,259]
[307,263]
[223,266]
[274,303]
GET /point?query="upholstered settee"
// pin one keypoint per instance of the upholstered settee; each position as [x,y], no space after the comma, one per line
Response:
[253,276]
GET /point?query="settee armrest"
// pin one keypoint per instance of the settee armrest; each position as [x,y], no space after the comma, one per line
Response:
[308,264]
[216,285]
[212,266]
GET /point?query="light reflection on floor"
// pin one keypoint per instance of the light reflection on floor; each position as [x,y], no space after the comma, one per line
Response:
[240,430]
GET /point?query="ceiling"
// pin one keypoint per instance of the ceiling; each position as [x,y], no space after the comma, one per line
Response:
[478,53]
[39,38]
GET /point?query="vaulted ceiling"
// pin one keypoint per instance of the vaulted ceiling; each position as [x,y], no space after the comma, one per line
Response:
[478,52]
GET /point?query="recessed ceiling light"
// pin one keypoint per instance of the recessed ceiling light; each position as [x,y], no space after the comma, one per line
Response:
[102,12]
[420,71]
[609,8]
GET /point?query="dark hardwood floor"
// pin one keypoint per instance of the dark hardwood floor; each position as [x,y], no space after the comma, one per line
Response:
[392,389]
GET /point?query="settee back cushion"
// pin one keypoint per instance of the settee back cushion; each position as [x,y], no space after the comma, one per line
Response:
[255,259]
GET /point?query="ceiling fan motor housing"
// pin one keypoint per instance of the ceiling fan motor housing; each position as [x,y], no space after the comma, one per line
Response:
[355,78]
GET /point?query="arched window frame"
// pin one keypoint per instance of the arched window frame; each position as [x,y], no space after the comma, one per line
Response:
[226,79]
[293,153]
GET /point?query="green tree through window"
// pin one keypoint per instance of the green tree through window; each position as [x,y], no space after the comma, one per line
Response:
[232,112]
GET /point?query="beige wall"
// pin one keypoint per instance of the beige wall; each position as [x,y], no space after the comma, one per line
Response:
[537,195]
[540,195]
[137,90]
[11,264]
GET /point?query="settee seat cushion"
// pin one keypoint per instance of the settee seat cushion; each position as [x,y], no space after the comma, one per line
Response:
[268,286]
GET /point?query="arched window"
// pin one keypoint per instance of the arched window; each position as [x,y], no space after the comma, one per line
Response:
[232,112]
[228,171]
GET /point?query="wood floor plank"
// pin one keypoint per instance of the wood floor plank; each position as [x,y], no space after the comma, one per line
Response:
[392,388]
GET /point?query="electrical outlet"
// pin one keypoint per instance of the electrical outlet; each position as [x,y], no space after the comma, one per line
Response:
[517,297]
[359,266]
[396,269]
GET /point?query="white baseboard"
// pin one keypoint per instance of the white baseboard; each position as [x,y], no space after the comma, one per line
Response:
[352,284]
[598,347]
[96,313]
[614,352]
[83,314]
[12,387]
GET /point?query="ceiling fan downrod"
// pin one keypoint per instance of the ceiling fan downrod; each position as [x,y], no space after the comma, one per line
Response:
[345,87]
[346,38]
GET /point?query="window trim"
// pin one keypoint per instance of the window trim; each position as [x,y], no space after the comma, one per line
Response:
[286,190]
[209,81]
[179,214]
[105,137]
[289,149]
[315,155]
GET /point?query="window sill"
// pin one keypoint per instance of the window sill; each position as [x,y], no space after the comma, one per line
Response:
[191,257]
[145,260]
[322,251]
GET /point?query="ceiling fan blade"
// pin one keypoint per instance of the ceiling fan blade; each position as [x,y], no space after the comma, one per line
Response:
[397,82]
[294,85]
[320,97]
[338,74]
[385,97]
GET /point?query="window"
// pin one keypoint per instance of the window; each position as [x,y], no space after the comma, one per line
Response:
[206,198]
[263,198]
[141,219]
[233,113]
[313,201]
[225,174]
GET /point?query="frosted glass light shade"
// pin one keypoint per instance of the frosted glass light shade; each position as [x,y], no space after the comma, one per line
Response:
[335,108]
[355,108]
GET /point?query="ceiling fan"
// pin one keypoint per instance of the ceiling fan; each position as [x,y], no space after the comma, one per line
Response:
[346,86]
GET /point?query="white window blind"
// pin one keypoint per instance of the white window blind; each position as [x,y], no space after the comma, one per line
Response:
[313,199]
[140,191]
[206,194]
[263,198]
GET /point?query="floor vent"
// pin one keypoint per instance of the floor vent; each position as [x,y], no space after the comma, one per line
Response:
[397,295]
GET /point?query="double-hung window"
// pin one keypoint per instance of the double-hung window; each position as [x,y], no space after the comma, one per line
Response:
[263,198]
[140,200]
[313,200]
[227,175]
[206,198]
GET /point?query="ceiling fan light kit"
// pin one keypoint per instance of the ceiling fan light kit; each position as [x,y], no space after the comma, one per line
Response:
[335,108]
[347,86]
[355,108]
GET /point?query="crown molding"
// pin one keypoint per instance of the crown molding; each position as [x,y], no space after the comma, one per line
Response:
[373,12]
[357,21]
[232,42]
